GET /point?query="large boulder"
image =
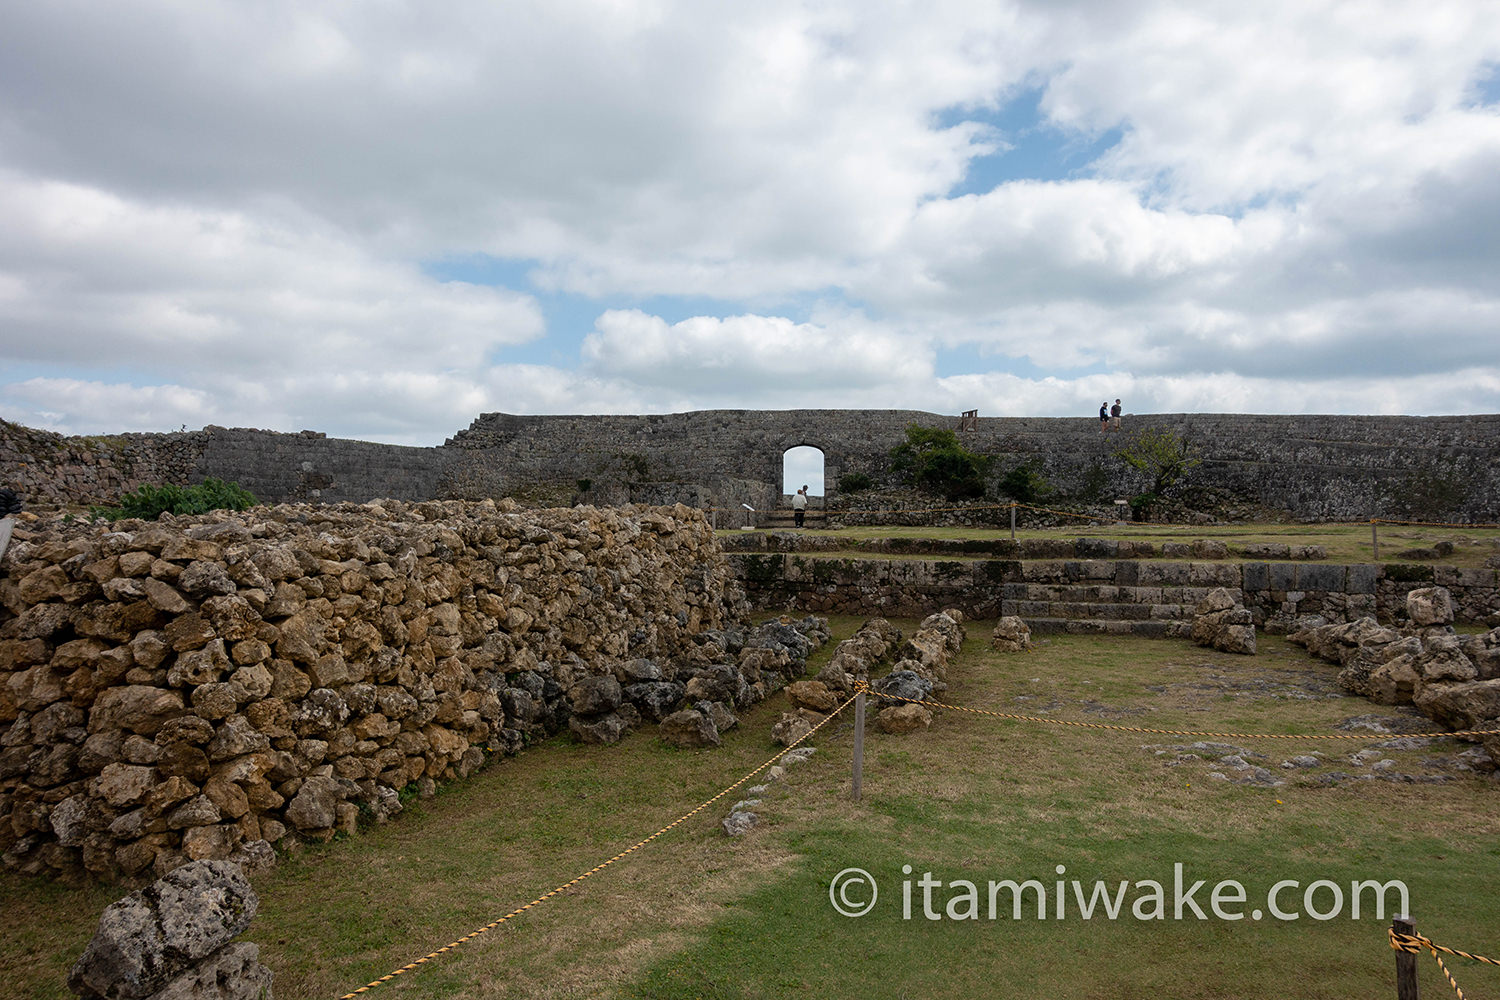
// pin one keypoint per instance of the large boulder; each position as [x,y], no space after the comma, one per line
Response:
[811,694]
[1430,606]
[599,729]
[900,719]
[1221,623]
[688,729]
[790,728]
[595,695]
[1011,635]
[904,684]
[154,936]
[1461,706]
[1364,670]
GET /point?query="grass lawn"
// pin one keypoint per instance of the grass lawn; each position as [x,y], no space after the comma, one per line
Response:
[696,914]
[1345,543]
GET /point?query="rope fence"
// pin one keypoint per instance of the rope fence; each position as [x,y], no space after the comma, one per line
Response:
[1400,941]
[1407,944]
[418,963]
[1403,938]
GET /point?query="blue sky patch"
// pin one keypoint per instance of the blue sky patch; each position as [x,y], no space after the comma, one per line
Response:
[1488,84]
[570,317]
[1036,149]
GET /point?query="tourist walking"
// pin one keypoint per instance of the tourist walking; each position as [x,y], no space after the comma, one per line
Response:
[1103,418]
[799,505]
[1114,412]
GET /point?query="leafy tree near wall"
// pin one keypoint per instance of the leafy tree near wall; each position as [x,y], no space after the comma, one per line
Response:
[934,459]
[1026,482]
[1164,457]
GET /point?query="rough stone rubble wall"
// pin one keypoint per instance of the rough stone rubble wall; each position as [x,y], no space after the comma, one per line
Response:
[180,689]
[49,469]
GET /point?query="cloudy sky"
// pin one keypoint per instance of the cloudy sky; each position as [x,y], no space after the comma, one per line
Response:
[379,219]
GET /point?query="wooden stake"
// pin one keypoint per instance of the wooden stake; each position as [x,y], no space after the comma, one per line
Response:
[1406,962]
[859,742]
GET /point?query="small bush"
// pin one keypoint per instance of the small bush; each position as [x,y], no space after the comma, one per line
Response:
[1026,483]
[853,482]
[150,502]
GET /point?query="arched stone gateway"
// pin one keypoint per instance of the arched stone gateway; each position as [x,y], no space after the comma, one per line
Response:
[1317,467]
[803,465]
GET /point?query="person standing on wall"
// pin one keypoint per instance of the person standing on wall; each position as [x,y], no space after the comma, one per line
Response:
[1103,417]
[1114,412]
[799,505]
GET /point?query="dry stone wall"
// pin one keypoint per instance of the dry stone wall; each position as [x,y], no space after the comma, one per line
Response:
[188,688]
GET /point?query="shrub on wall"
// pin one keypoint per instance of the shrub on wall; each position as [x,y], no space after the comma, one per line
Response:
[1026,482]
[149,502]
[934,459]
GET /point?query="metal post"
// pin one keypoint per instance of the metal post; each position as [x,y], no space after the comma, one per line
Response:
[859,742]
[1406,962]
[1375,539]
[1012,520]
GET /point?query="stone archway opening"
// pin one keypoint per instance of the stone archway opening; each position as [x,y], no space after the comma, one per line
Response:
[802,466]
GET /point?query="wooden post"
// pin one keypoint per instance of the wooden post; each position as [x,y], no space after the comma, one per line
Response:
[1012,520]
[1406,962]
[1375,539]
[859,742]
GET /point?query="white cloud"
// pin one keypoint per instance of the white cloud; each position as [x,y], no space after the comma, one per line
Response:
[218,213]
[748,355]
[91,278]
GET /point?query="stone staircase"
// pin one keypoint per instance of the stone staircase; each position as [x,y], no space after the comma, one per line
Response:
[779,520]
[1153,599]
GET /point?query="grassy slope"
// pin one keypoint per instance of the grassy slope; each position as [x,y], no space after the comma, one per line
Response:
[695,914]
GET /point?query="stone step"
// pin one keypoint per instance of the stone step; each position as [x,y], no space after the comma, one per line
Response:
[1092,626]
[787,519]
[1096,610]
[1106,594]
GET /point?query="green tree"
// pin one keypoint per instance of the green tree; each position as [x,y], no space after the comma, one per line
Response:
[1164,457]
[933,459]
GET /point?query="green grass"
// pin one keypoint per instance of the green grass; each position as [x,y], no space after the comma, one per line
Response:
[695,914]
[1344,543]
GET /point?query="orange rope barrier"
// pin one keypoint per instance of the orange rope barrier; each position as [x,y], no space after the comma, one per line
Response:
[597,868]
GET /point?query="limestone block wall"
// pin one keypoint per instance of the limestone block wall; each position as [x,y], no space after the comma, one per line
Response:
[1317,467]
[185,688]
[1144,597]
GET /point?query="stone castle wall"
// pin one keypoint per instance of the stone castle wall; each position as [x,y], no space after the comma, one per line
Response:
[1128,595]
[184,688]
[1316,467]
[1319,467]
